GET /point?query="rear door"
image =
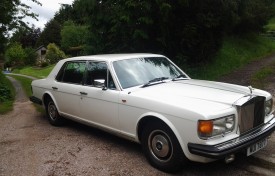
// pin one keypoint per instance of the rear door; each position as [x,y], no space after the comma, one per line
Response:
[66,89]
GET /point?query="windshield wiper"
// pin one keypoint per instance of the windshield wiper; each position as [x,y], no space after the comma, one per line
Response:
[180,76]
[160,79]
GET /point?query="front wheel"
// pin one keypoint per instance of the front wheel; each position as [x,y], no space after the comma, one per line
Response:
[162,148]
[52,114]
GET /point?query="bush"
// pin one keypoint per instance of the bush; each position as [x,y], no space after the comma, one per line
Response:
[5,92]
[15,54]
[31,56]
[44,64]
[54,54]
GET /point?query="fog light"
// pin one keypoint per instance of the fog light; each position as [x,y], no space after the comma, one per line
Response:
[229,159]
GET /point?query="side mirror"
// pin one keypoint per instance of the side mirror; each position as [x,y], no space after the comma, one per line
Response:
[100,83]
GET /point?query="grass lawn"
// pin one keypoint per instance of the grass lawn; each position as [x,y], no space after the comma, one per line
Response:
[34,71]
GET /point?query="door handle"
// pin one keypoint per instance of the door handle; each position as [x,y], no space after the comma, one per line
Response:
[55,88]
[83,93]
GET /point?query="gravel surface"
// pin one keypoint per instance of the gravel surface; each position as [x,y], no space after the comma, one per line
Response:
[30,146]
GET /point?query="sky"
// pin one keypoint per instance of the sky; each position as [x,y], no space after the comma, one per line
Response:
[45,12]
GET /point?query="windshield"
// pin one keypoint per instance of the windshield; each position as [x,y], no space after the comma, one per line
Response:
[139,71]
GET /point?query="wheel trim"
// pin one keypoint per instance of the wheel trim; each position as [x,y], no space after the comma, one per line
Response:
[160,147]
[52,111]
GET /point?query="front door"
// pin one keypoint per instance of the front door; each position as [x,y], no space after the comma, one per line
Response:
[99,98]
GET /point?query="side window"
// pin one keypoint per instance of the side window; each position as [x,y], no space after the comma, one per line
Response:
[72,72]
[98,75]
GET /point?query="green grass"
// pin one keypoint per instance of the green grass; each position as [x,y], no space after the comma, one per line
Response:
[259,79]
[35,71]
[235,53]
[6,107]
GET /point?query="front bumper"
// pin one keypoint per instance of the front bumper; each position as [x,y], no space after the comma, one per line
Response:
[236,145]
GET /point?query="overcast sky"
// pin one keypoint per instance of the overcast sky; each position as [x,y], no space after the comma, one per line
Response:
[45,12]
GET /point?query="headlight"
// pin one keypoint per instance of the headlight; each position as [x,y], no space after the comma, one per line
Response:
[211,128]
[268,106]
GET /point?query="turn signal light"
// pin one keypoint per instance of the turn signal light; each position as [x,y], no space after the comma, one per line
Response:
[205,128]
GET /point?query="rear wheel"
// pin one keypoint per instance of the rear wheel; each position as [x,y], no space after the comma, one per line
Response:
[52,114]
[162,148]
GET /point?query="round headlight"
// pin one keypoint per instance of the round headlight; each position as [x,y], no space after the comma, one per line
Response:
[268,106]
[229,122]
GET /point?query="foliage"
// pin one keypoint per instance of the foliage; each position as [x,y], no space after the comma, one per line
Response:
[15,54]
[271,25]
[52,30]
[54,54]
[6,93]
[189,31]
[50,34]
[235,52]
[11,14]
[26,36]
[6,107]
[73,36]
[31,56]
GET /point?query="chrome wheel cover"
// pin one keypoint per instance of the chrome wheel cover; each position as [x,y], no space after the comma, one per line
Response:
[52,111]
[160,145]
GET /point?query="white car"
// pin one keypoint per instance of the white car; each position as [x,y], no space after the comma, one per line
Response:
[148,99]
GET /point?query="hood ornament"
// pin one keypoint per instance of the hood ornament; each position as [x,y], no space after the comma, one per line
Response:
[251,89]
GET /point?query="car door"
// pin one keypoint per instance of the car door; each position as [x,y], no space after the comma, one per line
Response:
[67,85]
[99,101]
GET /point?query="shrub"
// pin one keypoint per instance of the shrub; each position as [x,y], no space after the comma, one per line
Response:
[31,56]
[15,54]
[54,54]
[5,92]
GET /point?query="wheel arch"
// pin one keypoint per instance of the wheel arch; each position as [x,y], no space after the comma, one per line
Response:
[150,118]
[46,97]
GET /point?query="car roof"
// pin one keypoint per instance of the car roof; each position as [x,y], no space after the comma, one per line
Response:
[113,57]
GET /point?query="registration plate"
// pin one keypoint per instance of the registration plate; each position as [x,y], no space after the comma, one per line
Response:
[256,147]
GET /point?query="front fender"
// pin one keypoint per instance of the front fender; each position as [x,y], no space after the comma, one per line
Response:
[166,121]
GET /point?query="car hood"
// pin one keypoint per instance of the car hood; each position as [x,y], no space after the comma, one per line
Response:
[192,94]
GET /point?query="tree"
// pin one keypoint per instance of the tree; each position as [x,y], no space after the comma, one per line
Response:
[54,54]
[11,14]
[26,36]
[74,37]
[50,34]
[188,31]
[31,56]
[15,54]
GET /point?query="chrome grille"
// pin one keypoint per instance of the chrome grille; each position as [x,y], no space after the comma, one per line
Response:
[251,113]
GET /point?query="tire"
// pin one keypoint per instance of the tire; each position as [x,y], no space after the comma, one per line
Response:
[53,116]
[162,148]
